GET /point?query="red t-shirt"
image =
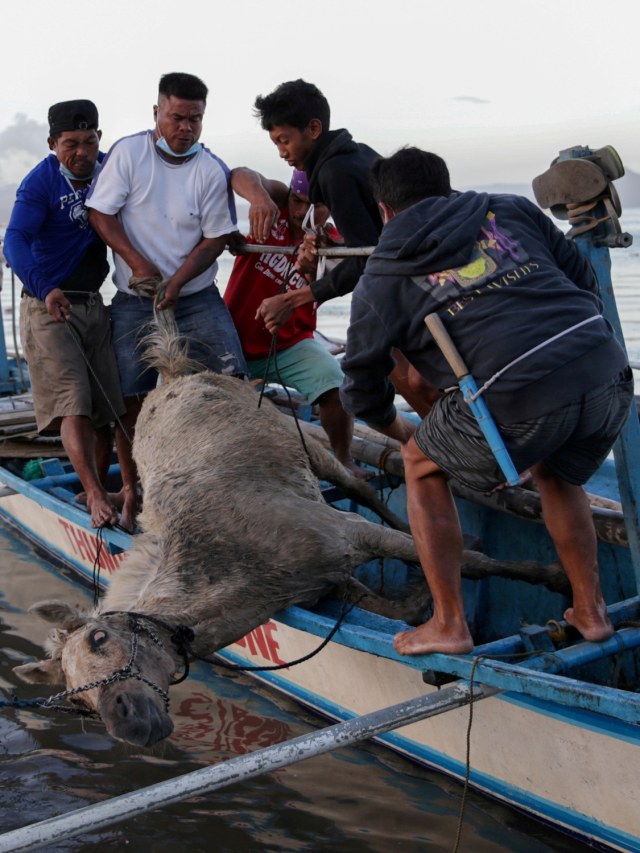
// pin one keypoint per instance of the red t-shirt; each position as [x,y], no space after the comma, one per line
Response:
[256,277]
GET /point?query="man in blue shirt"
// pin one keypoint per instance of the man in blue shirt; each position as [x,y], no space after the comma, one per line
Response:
[64,325]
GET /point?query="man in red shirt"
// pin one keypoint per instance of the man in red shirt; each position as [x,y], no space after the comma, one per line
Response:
[294,358]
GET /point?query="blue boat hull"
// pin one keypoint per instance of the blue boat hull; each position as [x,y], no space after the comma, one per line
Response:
[571,765]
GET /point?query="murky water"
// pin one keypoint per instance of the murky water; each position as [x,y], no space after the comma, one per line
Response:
[359,799]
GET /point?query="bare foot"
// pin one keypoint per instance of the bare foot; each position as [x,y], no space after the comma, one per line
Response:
[116,499]
[128,516]
[430,637]
[593,624]
[353,468]
[130,505]
[102,511]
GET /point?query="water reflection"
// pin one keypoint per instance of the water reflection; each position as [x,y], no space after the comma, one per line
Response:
[364,799]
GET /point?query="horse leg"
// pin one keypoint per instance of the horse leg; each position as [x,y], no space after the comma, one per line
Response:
[326,467]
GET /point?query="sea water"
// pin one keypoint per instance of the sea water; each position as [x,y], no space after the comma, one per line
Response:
[333,316]
[357,799]
[354,800]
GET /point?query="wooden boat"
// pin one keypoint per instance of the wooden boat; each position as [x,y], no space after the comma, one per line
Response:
[560,741]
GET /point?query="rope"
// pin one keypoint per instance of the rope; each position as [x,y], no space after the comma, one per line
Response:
[180,635]
[78,343]
[467,774]
[344,612]
[43,702]
[535,349]
[130,670]
[273,355]
[96,566]
[582,222]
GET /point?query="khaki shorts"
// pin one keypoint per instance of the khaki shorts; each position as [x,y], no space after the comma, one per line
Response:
[71,364]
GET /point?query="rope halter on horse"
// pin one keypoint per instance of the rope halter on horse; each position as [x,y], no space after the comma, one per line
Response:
[139,624]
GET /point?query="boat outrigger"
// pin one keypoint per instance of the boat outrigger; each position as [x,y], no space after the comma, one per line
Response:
[557,733]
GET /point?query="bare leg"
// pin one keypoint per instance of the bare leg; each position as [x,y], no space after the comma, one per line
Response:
[415,389]
[568,519]
[128,470]
[438,538]
[80,443]
[104,446]
[338,425]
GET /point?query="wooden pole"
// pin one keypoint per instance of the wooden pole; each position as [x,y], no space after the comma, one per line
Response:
[608,520]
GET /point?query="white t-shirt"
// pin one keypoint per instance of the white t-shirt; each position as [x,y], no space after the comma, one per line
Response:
[165,208]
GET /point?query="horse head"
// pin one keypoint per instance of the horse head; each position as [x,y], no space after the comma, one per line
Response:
[117,665]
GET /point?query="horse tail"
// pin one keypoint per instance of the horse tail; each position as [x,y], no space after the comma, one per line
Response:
[166,351]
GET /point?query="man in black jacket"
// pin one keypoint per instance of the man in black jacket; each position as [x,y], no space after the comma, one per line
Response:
[520,302]
[297,116]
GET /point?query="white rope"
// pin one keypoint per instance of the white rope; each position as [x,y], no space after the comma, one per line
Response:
[546,343]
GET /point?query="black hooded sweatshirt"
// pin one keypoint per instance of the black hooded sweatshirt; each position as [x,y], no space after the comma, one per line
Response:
[503,279]
[338,170]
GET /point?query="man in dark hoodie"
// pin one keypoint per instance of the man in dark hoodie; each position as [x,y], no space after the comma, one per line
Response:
[520,302]
[297,116]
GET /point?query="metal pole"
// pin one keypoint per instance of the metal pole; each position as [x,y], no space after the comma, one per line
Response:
[95,817]
[328,252]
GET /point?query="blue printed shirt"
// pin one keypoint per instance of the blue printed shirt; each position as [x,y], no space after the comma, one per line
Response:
[49,233]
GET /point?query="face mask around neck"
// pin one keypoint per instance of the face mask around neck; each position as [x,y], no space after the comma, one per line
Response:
[163,145]
[68,174]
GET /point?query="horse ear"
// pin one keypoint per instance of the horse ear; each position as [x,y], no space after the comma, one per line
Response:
[41,672]
[59,613]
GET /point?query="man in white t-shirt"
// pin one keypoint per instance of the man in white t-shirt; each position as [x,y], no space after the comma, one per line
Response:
[164,204]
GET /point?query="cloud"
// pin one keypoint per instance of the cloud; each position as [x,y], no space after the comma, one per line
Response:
[25,134]
[470,99]
[22,145]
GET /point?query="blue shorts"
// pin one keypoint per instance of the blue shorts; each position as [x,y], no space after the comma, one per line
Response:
[306,366]
[573,440]
[203,320]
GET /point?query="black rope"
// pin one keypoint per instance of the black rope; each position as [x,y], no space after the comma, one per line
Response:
[78,343]
[180,635]
[43,702]
[96,566]
[273,356]
[344,612]
[467,773]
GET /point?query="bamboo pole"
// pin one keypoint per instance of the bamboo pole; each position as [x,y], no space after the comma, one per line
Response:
[523,503]
[208,779]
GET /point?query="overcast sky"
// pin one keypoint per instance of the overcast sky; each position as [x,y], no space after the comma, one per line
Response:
[496,87]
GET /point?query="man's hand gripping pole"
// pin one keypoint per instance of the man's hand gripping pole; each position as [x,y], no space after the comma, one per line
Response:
[478,406]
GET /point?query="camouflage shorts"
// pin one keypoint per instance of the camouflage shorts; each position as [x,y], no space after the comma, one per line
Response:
[573,440]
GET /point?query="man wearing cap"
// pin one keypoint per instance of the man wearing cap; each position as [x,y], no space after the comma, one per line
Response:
[64,325]
[291,356]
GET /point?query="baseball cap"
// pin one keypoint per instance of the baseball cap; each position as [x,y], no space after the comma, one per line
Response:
[72,115]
